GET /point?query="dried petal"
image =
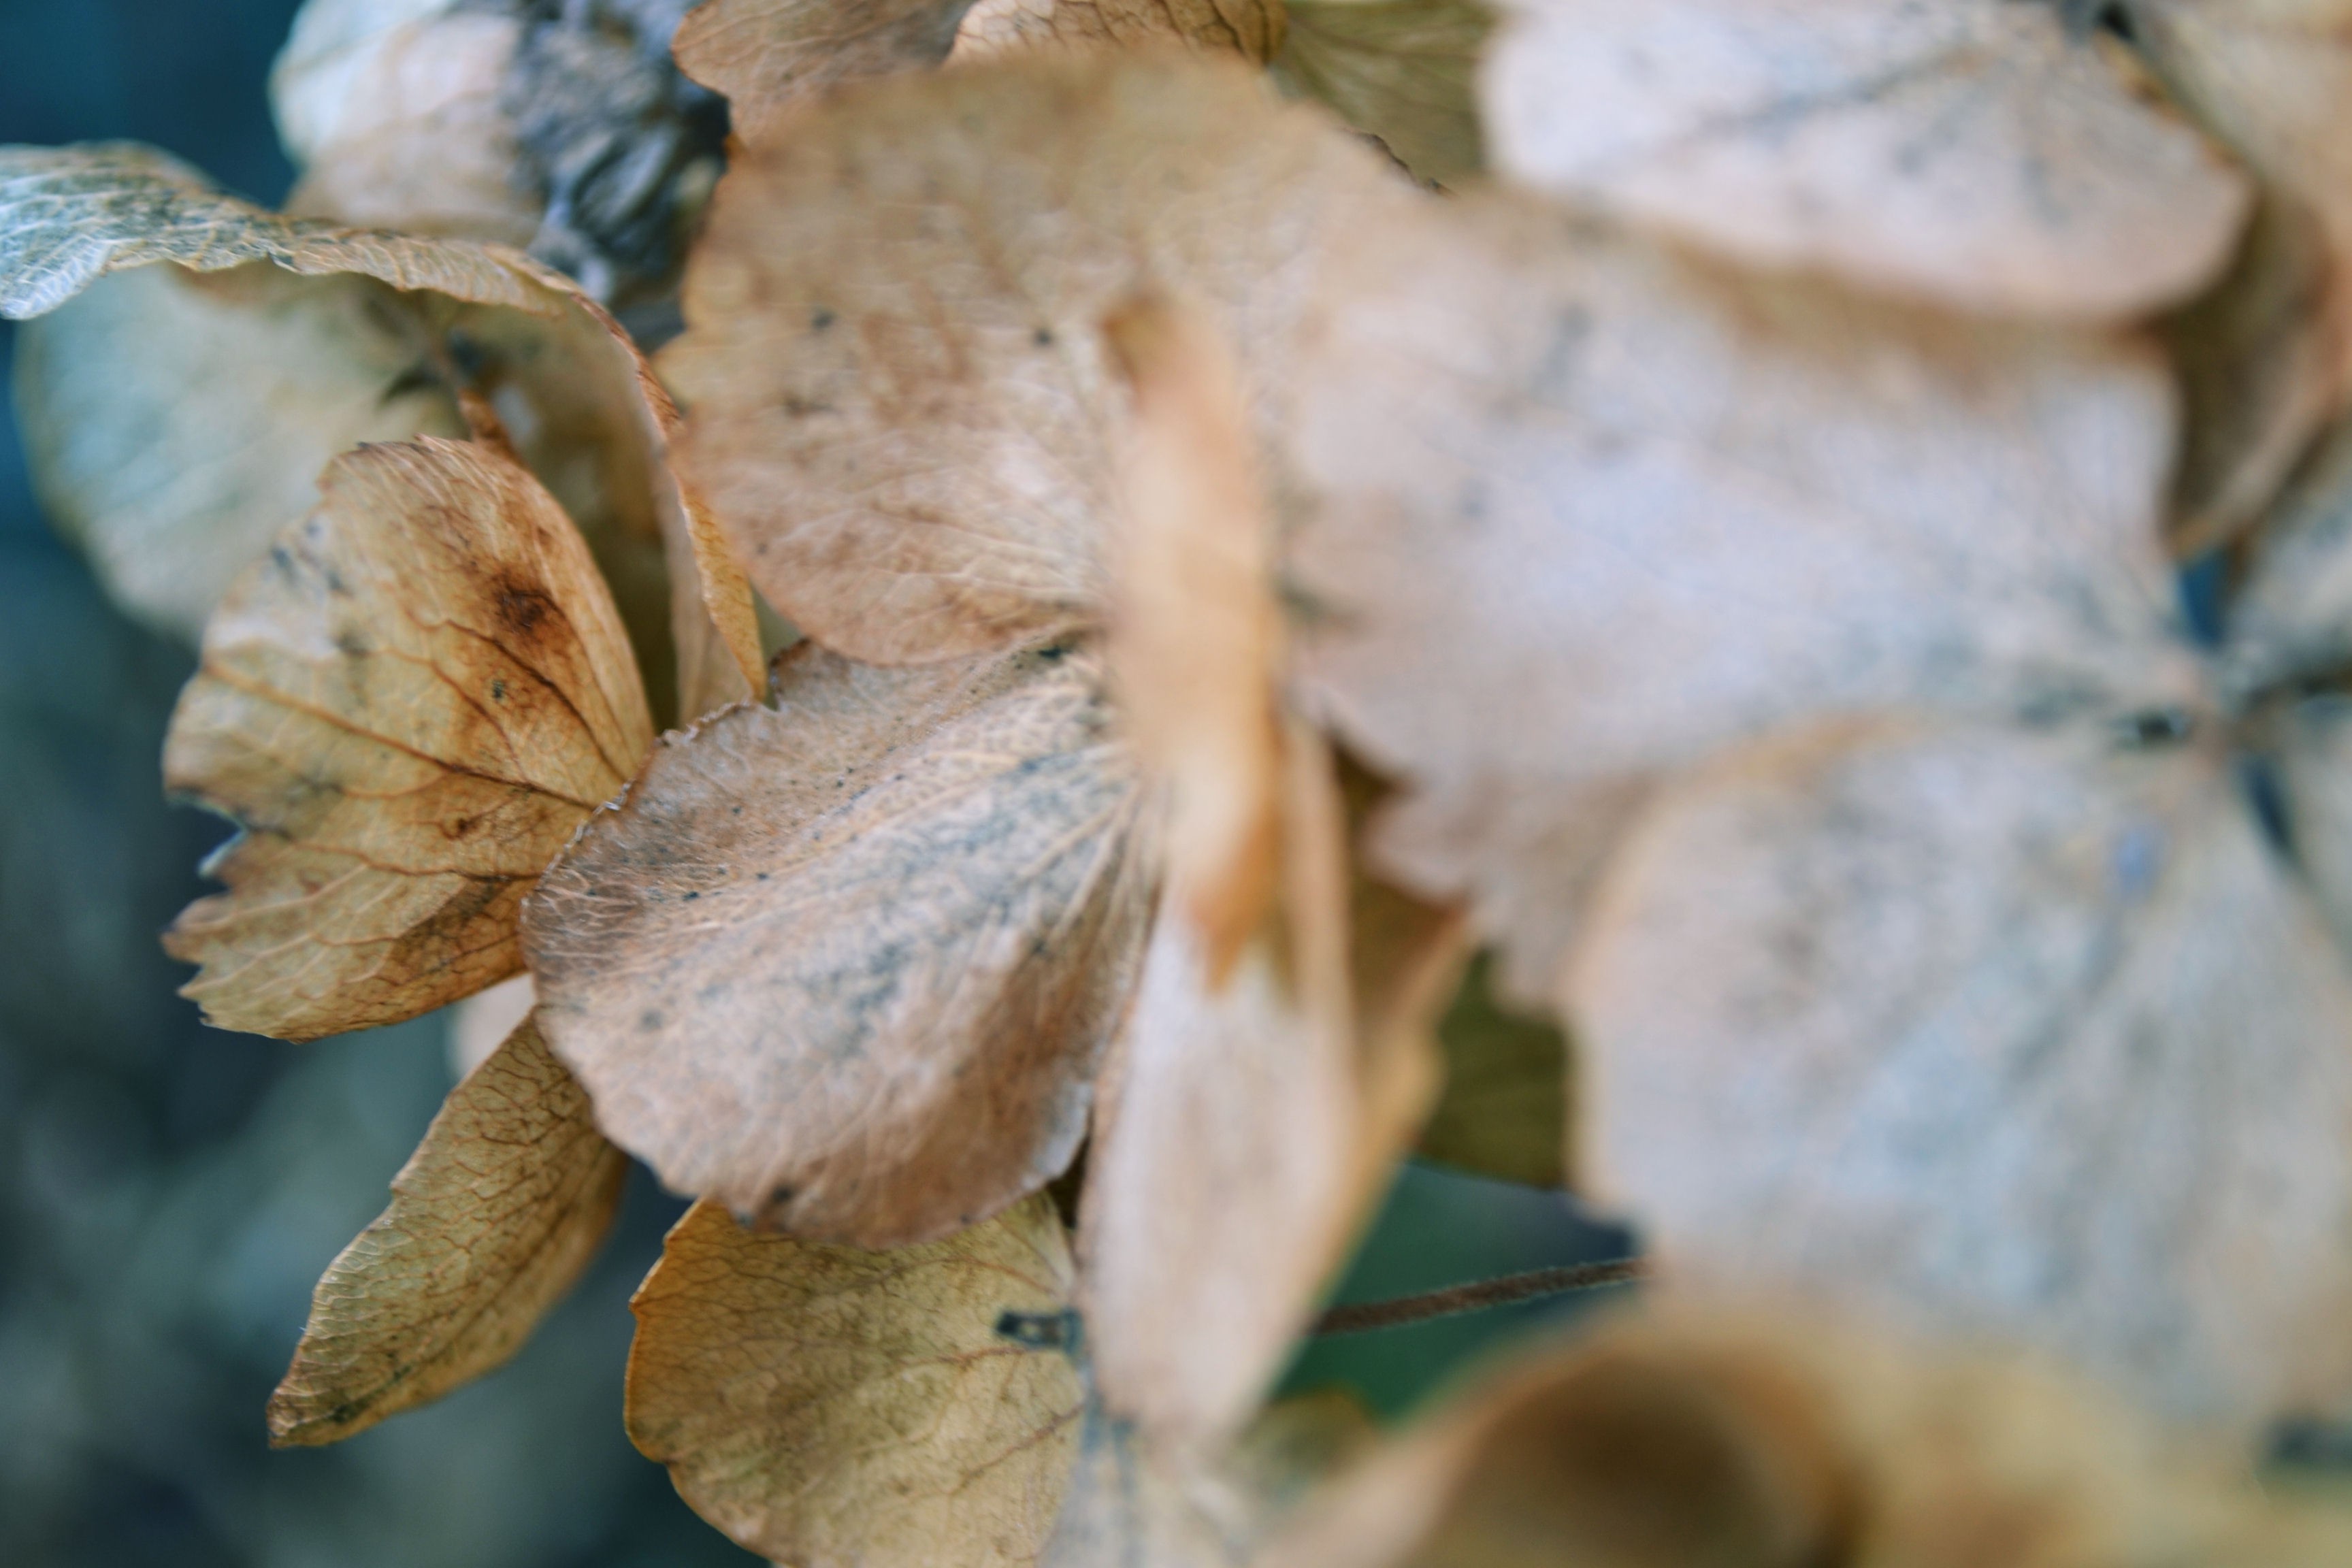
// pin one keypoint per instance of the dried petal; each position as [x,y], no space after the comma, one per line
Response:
[847,965]
[1968,152]
[1194,644]
[1585,510]
[1248,1128]
[492,1219]
[409,706]
[2003,1034]
[172,496]
[894,353]
[839,1408]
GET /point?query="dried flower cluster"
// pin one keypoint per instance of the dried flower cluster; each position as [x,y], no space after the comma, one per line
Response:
[1819,534]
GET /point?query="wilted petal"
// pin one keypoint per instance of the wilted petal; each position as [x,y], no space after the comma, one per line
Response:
[172,496]
[847,965]
[2012,1036]
[408,705]
[894,353]
[1581,511]
[839,1408]
[492,1219]
[1249,1126]
[1967,152]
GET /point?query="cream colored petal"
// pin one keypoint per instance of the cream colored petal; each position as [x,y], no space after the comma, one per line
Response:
[170,494]
[1969,151]
[2007,1035]
[1580,511]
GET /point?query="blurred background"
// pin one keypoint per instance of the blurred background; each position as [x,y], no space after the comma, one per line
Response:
[169,1194]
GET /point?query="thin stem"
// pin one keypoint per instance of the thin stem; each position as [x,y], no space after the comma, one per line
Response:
[1363,1317]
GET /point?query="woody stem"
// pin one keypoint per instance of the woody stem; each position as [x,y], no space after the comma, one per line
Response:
[1363,1317]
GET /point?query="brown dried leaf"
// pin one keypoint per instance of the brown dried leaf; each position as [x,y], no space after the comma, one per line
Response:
[1699,1440]
[1505,1112]
[1403,72]
[838,1408]
[847,965]
[1585,510]
[894,353]
[765,56]
[579,405]
[1968,152]
[391,110]
[1249,28]
[2002,1033]
[408,706]
[492,1219]
[1195,633]
[136,472]
[1247,1129]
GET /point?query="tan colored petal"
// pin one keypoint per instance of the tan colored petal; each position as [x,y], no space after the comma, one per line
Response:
[1699,1439]
[1249,1127]
[765,56]
[838,1408]
[847,965]
[1402,71]
[492,1219]
[893,355]
[1194,644]
[2006,1035]
[408,707]
[577,400]
[1968,152]
[389,108]
[172,496]
[1249,28]
[1505,1112]
[1584,509]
